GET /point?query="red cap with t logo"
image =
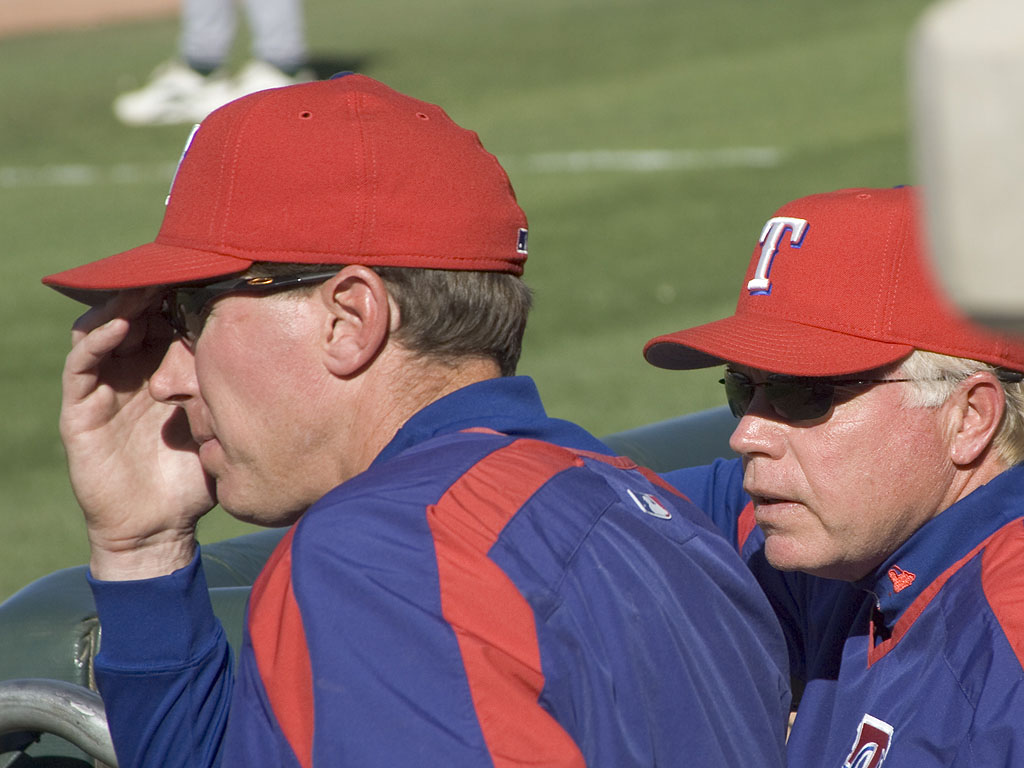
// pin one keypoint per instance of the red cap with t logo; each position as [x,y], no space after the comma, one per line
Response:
[838,283]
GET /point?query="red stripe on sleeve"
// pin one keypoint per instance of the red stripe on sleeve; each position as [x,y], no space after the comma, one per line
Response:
[492,621]
[745,525]
[1002,579]
[279,645]
[619,462]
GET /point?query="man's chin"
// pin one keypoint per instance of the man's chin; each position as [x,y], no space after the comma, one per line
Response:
[782,555]
[782,559]
[255,511]
[261,517]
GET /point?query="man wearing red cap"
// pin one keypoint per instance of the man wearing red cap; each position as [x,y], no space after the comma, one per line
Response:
[323,335]
[880,496]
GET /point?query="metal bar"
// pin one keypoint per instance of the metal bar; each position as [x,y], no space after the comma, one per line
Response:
[67,710]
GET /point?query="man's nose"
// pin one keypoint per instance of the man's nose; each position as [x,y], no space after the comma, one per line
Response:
[759,430]
[174,380]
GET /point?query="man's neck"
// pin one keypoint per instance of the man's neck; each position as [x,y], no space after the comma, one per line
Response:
[972,478]
[394,391]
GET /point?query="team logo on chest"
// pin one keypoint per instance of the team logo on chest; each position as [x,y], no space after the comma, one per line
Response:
[771,236]
[650,505]
[871,746]
[900,578]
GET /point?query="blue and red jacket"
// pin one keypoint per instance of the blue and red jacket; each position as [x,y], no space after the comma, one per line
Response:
[495,590]
[919,663]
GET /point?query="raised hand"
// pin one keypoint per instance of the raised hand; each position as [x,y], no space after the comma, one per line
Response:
[133,465]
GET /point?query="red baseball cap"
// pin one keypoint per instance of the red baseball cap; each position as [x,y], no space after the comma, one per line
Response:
[838,283]
[341,171]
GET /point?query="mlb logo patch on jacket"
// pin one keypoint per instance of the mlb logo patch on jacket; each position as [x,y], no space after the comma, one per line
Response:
[871,745]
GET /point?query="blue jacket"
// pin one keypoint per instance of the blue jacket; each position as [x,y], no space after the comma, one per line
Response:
[920,663]
[505,596]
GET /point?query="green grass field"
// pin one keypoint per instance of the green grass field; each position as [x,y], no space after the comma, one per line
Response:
[617,254]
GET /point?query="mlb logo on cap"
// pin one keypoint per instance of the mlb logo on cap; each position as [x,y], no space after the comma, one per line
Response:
[521,241]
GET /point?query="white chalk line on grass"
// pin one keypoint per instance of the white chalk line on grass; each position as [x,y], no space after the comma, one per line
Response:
[622,161]
[82,175]
[648,160]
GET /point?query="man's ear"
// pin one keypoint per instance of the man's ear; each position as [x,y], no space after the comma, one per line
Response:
[977,411]
[358,321]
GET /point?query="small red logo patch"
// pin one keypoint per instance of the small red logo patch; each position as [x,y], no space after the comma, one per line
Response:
[871,747]
[901,579]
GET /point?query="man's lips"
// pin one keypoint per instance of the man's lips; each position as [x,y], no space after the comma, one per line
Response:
[207,445]
[770,509]
[761,499]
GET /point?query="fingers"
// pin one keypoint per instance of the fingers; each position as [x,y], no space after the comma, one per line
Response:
[82,366]
[119,342]
[133,463]
[126,304]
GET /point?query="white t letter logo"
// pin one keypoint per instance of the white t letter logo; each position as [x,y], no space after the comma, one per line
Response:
[188,143]
[769,242]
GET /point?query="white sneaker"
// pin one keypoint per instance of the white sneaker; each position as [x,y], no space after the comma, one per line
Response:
[175,93]
[258,75]
[255,76]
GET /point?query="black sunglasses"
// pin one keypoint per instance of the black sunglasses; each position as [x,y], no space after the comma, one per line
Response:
[794,398]
[799,398]
[185,307]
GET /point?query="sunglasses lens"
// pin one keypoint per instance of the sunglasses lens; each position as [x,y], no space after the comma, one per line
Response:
[800,400]
[169,309]
[184,316]
[193,322]
[739,391]
[794,400]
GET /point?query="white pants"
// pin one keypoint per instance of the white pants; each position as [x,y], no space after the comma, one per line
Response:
[277,27]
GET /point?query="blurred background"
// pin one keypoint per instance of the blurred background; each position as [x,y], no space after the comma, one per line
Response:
[648,141]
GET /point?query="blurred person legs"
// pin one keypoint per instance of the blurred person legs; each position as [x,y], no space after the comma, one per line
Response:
[191,86]
[278,34]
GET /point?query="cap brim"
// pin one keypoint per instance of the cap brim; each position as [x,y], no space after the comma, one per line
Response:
[770,344]
[147,265]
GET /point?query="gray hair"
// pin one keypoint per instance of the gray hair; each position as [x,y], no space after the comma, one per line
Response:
[936,377]
[446,315]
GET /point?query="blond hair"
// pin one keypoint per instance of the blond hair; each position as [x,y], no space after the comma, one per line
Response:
[936,377]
